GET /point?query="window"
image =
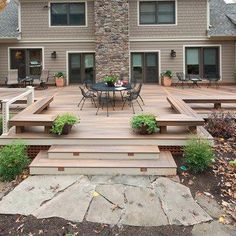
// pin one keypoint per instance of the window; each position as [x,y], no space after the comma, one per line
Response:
[203,61]
[157,12]
[68,14]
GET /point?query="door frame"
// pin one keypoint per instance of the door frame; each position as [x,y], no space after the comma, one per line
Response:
[145,51]
[67,62]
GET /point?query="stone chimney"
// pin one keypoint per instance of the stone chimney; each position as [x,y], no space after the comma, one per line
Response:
[112,38]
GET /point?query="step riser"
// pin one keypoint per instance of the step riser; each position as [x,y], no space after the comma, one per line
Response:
[102,171]
[102,156]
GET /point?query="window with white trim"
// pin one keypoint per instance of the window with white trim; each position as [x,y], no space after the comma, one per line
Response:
[68,14]
[157,12]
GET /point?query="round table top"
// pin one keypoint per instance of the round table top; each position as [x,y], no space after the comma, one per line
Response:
[101,86]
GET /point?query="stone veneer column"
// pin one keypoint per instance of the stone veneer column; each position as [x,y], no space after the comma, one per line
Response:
[112,38]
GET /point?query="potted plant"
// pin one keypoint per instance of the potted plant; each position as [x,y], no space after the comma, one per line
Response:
[59,79]
[110,80]
[166,77]
[63,124]
[144,124]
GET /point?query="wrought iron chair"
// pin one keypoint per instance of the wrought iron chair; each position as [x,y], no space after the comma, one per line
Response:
[133,95]
[137,88]
[213,79]
[85,97]
[43,80]
[181,78]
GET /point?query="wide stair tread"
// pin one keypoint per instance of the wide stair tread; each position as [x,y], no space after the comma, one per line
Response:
[165,165]
[100,152]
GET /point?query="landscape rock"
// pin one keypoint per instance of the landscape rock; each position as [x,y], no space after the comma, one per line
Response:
[107,204]
[143,208]
[72,204]
[209,205]
[178,204]
[213,229]
[29,195]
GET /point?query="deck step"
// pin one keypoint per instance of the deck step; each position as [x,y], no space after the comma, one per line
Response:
[164,166]
[82,152]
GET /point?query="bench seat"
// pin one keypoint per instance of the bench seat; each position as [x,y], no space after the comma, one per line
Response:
[178,120]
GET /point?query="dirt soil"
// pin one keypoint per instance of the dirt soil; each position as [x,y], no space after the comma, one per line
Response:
[19,225]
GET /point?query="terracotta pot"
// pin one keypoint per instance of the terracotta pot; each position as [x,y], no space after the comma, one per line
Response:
[66,129]
[59,82]
[166,81]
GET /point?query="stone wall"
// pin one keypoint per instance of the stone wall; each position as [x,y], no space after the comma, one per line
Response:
[112,38]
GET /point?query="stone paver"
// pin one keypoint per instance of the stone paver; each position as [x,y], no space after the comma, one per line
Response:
[71,205]
[213,229]
[33,192]
[107,204]
[128,200]
[210,206]
[143,208]
[178,204]
[139,181]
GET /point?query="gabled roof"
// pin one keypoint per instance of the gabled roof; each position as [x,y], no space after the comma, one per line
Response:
[9,21]
[222,18]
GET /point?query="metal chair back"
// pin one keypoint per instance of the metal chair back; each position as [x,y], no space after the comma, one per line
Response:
[12,77]
[44,76]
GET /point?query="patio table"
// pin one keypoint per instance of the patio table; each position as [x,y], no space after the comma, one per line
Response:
[195,81]
[27,81]
[103,87]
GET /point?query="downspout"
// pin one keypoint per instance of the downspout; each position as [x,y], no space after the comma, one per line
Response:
[19,19]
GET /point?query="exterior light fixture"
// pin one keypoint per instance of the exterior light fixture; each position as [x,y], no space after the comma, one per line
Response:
[173,53]
[54,54]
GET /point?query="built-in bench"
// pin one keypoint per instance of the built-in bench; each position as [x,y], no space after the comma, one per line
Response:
[216,100]
[31,116]
[178,120]
[186,116]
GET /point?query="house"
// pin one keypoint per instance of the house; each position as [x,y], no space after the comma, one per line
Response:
[88,39]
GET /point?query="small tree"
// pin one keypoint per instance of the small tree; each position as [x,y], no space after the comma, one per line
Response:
[13,160]
[198,154]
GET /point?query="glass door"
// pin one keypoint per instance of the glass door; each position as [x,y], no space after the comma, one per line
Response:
[210,62]
[144,67]
[151,68]
[75,68]
[18,61]
[81,67]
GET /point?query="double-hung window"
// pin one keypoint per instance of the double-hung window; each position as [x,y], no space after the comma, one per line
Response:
[157,12]
[68,14]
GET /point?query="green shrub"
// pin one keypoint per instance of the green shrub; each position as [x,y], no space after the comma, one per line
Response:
[59,75]
[111,79]
[13,160]
[167,73]
[198,154]
[60,121]
[144,123]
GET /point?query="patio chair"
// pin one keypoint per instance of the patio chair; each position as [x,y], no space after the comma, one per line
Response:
[213,79]
[181,79]
[12,78]
[132,96]
[86,96]
[137,88]
[43,80]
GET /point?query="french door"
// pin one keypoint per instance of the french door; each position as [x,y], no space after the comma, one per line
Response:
[28,62]
[81,67]
[144,67]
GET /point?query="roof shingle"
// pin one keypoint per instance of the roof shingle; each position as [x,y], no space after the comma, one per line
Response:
[9,21]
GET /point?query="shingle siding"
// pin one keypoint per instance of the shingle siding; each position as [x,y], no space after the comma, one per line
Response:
[35,23]
[191,21]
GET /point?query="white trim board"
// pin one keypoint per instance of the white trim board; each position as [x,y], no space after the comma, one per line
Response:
[67,61]
[143,51]
[67,26]
[204,46]
[8,54]
[157,25]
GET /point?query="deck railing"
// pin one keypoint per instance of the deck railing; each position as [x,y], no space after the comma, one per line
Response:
[28,93]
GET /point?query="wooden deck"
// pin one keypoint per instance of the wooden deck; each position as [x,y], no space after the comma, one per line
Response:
[115,129]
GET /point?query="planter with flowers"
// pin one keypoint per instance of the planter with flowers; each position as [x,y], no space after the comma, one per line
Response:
[64,123]
[110,80]
[59,79]
[166,78]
